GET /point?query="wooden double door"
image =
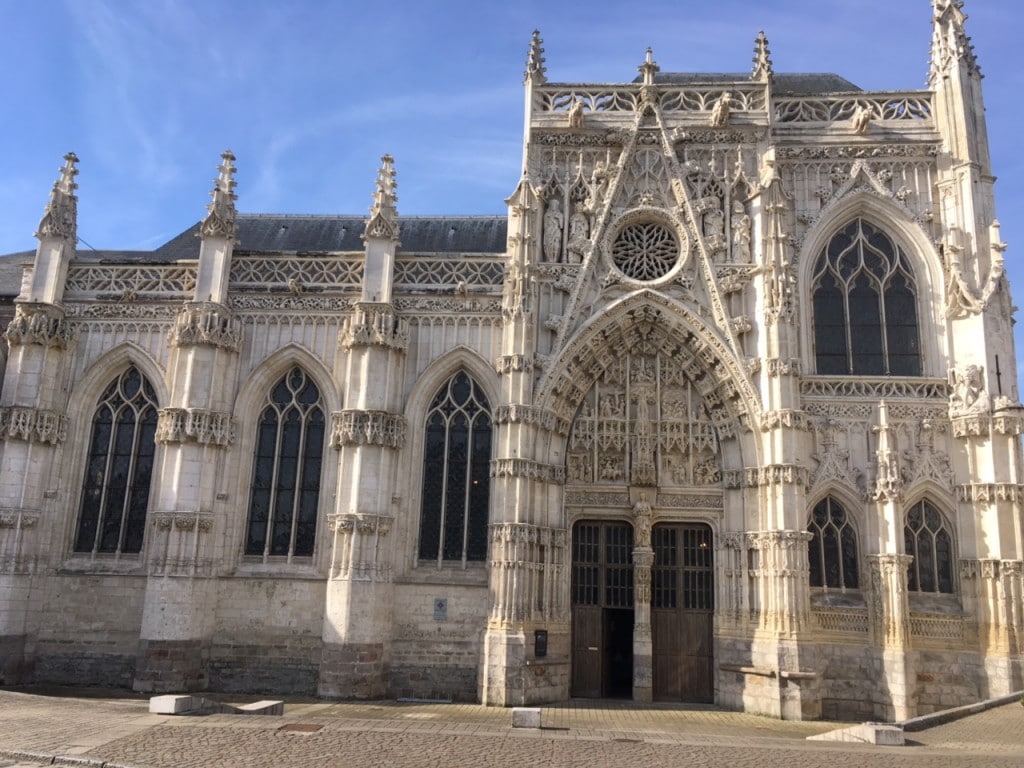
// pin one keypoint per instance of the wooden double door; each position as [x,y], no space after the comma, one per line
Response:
[604,611]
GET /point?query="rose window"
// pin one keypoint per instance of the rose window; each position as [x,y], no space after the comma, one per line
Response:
[645,251]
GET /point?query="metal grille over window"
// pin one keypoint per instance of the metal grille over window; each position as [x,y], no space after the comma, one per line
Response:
[927,540]
[286,470]
[456,474]
[115,490]
[602,581]
[865,306]
[645,251]
[832,552]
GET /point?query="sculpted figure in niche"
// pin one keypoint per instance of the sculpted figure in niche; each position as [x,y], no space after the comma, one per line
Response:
[576,114]
[740,225]
[554,220]
[578,233]
[720,112]
[642,514]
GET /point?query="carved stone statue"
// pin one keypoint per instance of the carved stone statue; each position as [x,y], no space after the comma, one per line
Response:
[739,223]
[578,234]
[969,395]
[720,112]
[642,514]
[554,220]
[576,114]
[861,120]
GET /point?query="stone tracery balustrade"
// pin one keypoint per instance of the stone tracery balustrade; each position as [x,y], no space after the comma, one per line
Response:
[915,106]
[354,427]
[559,98]
[988,492]
[208,324]
[33,425]
[38,323]
[936,626]
[847,622]
[433,273]
[284,273]
[181,425]
[375,325]
[129,282]
[874,389]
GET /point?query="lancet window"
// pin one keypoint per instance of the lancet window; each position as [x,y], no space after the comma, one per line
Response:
[286,470]
[456,474]
[928,541]
[119,468]
[865,306]
[832,552]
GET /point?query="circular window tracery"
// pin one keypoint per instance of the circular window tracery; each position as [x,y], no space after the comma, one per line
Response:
[645,251]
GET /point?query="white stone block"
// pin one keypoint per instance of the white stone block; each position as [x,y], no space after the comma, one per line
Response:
[526,717]
[172,705]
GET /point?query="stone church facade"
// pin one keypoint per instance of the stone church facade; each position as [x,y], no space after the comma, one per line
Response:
[725,409]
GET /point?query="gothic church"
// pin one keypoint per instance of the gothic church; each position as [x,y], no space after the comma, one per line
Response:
[724,410]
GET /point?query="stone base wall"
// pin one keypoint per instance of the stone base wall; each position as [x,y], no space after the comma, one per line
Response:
[849,687]
[353,671]
[282,666]
[79,664]
[171,666]
[14,667]
[947,679]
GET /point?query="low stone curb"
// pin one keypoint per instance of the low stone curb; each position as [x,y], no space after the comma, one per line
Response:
[44,758]
[949,715]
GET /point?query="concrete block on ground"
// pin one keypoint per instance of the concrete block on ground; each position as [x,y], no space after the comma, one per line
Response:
[173,705]
[526,717]
[880,734]
[266,707]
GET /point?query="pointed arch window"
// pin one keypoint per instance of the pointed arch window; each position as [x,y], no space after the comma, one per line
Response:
[119,468]
[865,306]
[832,552]
[456,474]
[927,540]
[286,470]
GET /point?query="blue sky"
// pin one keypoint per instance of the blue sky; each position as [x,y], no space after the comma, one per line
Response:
[309,94]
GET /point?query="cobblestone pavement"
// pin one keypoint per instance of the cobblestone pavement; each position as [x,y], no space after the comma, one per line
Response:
[118,732]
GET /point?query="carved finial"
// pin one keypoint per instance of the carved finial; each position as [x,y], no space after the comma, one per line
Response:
[60,217]
[383,221]
[649,68]
[950,43]
[535,69]
[888,481]
[762,71]
[221,213]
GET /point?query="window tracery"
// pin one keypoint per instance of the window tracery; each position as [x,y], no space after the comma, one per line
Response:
[645,251]
[928,541]
[456,474]
[832,553]
[119,468]
[286,470]
[865,306]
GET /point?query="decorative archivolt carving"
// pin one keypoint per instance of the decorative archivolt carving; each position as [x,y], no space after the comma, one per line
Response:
[39,323]
[35,425]
[532,415]
[597,498]
[204,323]
[668,500]
[375,325]
[527,468]
[198,425]
[354,427]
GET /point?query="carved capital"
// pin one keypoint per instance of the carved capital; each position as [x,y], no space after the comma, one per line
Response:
[773,474]
[367,428]
[39,323]
[785,419]
[375,325]
[34,425]
[205,323]
[779,367]
[197,425]
[514,364]
[183,522]
[527,468]
[532,415]
[990,492]
[18,519]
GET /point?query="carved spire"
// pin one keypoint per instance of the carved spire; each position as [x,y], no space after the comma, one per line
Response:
[535,68]
[762,71]
[221,214]
[649,68]
[888,482]
[60,217]
[950,43]
[383,221]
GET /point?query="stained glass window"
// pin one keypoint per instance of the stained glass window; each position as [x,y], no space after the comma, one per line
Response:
[119,467]
[865,310]
[286,470]
[832,551]
[456,474]
[929,543]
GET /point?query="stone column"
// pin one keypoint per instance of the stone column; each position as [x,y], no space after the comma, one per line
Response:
[643,559]
[33,425]
[890,633]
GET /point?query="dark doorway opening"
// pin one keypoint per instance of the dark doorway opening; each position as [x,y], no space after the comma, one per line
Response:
[618,655]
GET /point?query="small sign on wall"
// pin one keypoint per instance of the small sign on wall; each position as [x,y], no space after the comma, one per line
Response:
[440,609]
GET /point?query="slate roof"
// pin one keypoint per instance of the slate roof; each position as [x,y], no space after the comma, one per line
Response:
[785,84]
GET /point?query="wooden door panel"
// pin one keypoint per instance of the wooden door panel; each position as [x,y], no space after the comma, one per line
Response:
[587,637]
